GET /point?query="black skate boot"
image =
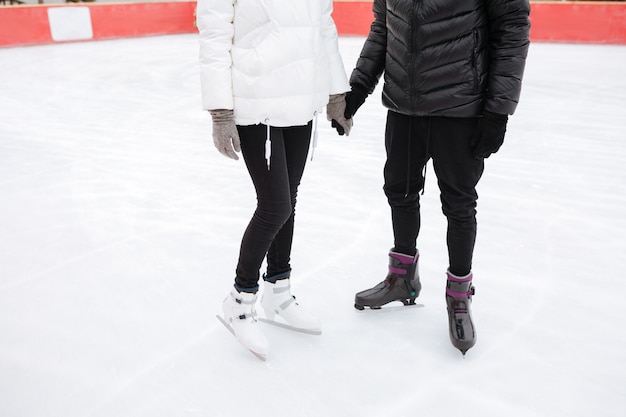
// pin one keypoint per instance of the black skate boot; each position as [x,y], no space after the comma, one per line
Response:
[402,284]
[459,292]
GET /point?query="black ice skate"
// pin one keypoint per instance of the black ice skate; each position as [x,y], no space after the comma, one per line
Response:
[459,292]
[402,284]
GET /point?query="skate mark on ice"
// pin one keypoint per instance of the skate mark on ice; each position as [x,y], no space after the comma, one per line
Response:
[288,327]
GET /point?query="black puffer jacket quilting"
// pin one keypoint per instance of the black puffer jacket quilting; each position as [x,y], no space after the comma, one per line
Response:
[451,58]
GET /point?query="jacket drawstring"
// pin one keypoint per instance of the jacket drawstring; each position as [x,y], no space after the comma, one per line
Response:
[427,152]
[426,158]
[408,160]
[268,144]
[314,135]
[268,140]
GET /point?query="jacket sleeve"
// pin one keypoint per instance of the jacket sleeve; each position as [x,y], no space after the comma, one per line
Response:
[338,78]
[214,19]
[371,62]
[509,30]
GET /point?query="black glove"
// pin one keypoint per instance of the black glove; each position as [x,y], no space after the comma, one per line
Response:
[337,126]
[354,99]
[489,134]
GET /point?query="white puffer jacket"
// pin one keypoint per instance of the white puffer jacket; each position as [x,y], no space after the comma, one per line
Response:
[271,61]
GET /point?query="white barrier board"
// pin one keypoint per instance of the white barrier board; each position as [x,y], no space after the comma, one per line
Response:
[70,23]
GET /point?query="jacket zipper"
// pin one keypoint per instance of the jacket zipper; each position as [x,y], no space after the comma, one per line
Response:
[475,59]
[413,24]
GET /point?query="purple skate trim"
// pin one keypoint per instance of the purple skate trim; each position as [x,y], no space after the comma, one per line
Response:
[454,278]
[455,294]
[397,271]
[404,259]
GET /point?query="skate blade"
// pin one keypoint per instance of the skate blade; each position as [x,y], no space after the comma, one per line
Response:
[388,307]
[288,327]
[230,329]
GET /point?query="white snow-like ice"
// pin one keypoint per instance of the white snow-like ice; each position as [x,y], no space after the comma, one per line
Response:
[120,227]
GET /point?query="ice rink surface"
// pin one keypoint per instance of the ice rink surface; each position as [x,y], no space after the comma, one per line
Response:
[120,227]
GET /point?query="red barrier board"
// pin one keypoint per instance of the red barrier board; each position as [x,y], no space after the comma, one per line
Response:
[559,21]
[580,22]
[24,26]
[141,19]
[30,25]
[353,17]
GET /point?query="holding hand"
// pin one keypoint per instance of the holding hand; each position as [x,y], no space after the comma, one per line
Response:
[335,110]
[225,135]
[489,134]
[354,99]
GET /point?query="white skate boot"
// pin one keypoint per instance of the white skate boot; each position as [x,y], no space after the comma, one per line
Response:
[240,317]
[277,300]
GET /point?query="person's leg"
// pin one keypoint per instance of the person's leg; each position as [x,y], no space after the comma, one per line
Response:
[406,144]
[273,201]
[296,143]
[406,140]
[277,299]
[458,173]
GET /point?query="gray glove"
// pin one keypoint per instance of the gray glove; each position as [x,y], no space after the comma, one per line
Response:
[335,111]
[225,135]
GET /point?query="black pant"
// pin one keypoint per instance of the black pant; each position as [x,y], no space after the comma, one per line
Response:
[410,142]
[270,232]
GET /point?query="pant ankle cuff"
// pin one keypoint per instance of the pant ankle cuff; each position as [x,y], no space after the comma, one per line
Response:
[277,277]
[251,290]
[459,278]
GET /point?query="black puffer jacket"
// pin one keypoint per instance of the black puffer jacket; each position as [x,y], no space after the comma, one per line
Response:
[451,58]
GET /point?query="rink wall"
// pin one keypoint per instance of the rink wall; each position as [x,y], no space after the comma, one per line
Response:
[41,24]
[558,21]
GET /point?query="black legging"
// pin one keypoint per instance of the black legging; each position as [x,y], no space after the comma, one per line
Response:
[270,232]
[410,143]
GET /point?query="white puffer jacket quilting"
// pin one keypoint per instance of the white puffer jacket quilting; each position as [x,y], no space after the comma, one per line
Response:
[271,61]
